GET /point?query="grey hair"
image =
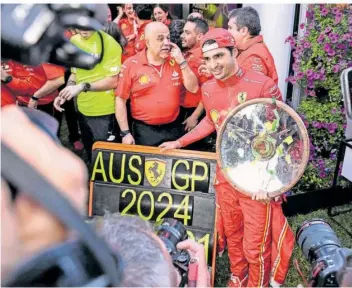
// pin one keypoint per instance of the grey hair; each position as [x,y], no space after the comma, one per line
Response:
[144,262]
[247,17]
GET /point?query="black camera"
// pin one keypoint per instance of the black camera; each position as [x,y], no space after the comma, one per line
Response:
[171,232]
[322,248]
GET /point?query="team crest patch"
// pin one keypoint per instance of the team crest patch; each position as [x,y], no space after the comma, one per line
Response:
[241,97]
[215,116]
[172,62]
[123,26]
[155,171]
[142,37]
[144,79]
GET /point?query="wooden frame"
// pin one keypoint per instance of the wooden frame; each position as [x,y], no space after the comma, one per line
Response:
[157,151]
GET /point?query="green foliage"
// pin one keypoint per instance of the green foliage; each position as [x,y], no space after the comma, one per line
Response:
[320,54]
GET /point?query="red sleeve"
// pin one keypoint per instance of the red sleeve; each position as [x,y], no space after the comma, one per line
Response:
[23,87]
[124,85]
[202,130]
[53,71]
[271,90]
[256,64]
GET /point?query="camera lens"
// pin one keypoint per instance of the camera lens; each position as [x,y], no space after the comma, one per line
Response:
[316,239]
[171,232]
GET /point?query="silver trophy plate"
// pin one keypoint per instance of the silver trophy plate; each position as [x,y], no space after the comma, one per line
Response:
[263,145]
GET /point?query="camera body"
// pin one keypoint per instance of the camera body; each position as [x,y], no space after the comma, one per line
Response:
[322,249]
[171,232]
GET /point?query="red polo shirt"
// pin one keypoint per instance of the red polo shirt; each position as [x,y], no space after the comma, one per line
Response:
[140,39]
[194,59]
[154,94]
[127,29]
[28,79]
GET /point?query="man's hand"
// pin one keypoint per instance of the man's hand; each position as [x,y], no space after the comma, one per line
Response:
[128,139]
[176,53]
[170,145]
[71,91]
[262,196]
[130,37]
[203,70]
[32,103]
[119,10]
[58,102]
[197,251]
[190,123]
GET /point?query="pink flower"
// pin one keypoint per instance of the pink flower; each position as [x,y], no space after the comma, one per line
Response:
[312,93]
[310,74]
[324,11]
[327,29]
[309,14]
[345,37]
[335,10]
[307,45]
[331,53]
[299,75]
[336,68]
[289,38]
[327,47]
[341,46]
[299,48]
[321,38]
[316,76]
[301,26]
[338,19]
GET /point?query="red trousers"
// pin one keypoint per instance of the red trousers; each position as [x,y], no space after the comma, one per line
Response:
[258,237]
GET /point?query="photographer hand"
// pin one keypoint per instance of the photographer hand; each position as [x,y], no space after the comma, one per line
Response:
[197,251]
[37,228]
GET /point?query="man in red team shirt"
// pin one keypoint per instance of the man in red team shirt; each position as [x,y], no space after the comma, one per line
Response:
[128,26]
[259,239]
[152,81]
[143,17]
[34,86]
[191,106]
[244,26]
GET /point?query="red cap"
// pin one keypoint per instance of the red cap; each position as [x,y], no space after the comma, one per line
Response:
[222,38]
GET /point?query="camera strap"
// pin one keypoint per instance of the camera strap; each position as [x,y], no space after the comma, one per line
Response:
[26,179]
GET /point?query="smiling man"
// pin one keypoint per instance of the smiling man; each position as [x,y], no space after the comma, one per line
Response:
[152,80]
[259,240]
[191,106]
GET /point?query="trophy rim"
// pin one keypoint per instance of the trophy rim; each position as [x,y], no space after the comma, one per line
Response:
[302,129]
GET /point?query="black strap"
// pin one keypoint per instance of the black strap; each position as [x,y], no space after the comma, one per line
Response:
[27,180]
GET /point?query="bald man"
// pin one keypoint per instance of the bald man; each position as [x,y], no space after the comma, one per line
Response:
[195,15]
[152,80]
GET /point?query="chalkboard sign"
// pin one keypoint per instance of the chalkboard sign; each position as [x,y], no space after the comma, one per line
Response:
[139,180]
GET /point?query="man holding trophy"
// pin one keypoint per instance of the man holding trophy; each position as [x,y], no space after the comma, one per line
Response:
[258,237]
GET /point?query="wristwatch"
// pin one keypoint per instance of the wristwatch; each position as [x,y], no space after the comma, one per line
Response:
[7,80]
[34,98]
[86,87]
[124,133]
